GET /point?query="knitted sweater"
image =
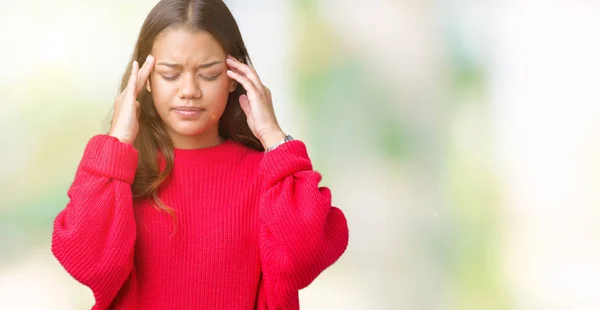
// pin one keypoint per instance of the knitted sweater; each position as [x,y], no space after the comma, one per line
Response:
[251,229]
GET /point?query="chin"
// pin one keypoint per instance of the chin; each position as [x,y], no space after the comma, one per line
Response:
[194,129]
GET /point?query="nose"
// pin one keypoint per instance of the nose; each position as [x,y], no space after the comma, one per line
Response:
[190,88]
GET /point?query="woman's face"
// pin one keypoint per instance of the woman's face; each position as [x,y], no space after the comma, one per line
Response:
[189,83]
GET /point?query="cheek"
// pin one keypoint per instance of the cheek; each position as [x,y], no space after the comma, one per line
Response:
[162,93]
[217,91]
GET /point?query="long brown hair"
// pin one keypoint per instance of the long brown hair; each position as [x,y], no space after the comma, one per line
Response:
[211,16]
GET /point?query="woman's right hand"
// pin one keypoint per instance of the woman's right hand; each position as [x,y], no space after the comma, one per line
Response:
[125,124]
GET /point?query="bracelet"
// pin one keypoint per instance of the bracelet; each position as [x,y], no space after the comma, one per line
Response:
[284,140]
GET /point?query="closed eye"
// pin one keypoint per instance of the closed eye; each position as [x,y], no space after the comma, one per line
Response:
[207,78]
[210,78]
[170,78]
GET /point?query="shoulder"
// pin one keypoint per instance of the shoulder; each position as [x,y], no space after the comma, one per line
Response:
[247,155]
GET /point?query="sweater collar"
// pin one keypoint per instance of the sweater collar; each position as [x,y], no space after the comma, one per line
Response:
[223,151]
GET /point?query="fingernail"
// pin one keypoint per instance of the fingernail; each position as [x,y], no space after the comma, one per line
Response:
[149,58]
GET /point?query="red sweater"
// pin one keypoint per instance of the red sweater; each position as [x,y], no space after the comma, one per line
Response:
[252,229]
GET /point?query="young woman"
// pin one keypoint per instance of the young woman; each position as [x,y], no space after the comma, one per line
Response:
[196,199]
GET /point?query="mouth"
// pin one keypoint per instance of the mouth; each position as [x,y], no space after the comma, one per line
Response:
[188,112]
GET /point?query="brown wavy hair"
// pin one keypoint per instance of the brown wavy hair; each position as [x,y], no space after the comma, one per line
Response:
[211,16]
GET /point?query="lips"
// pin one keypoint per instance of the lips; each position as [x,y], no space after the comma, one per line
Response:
[188,112]
[188,109]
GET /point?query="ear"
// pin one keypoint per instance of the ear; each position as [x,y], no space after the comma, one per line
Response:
[148,88]
[232,85]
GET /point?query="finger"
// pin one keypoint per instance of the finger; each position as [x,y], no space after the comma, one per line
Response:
[245,104]
[245,81]
[144,73]
[267,92]
[245,70]
[133,77]
[119,96]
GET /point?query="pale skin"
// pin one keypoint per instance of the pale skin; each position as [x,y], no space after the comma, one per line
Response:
[190,77]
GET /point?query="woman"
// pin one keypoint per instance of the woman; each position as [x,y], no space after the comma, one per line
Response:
[196,199]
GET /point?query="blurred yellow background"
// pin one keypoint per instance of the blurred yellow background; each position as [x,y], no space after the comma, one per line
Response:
[461,139]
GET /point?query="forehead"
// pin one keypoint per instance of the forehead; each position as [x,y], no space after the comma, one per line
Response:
[185,46]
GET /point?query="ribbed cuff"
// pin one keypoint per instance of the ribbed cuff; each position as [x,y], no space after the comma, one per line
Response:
[107,156]
[284,161]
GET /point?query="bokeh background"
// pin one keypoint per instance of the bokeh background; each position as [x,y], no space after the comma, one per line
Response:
[461,138]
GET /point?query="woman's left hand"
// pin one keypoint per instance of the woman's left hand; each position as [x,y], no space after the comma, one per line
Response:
[257,104]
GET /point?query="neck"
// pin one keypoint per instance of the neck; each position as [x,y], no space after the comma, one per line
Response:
[206,139]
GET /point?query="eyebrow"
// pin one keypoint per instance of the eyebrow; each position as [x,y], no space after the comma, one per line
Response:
[179,66]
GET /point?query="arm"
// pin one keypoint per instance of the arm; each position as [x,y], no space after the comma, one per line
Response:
[301,233]
[94,235]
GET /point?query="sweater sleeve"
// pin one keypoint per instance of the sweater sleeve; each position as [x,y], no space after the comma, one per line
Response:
[94,236]
[301,233]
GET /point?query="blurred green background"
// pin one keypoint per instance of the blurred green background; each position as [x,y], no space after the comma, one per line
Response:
[461,139]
